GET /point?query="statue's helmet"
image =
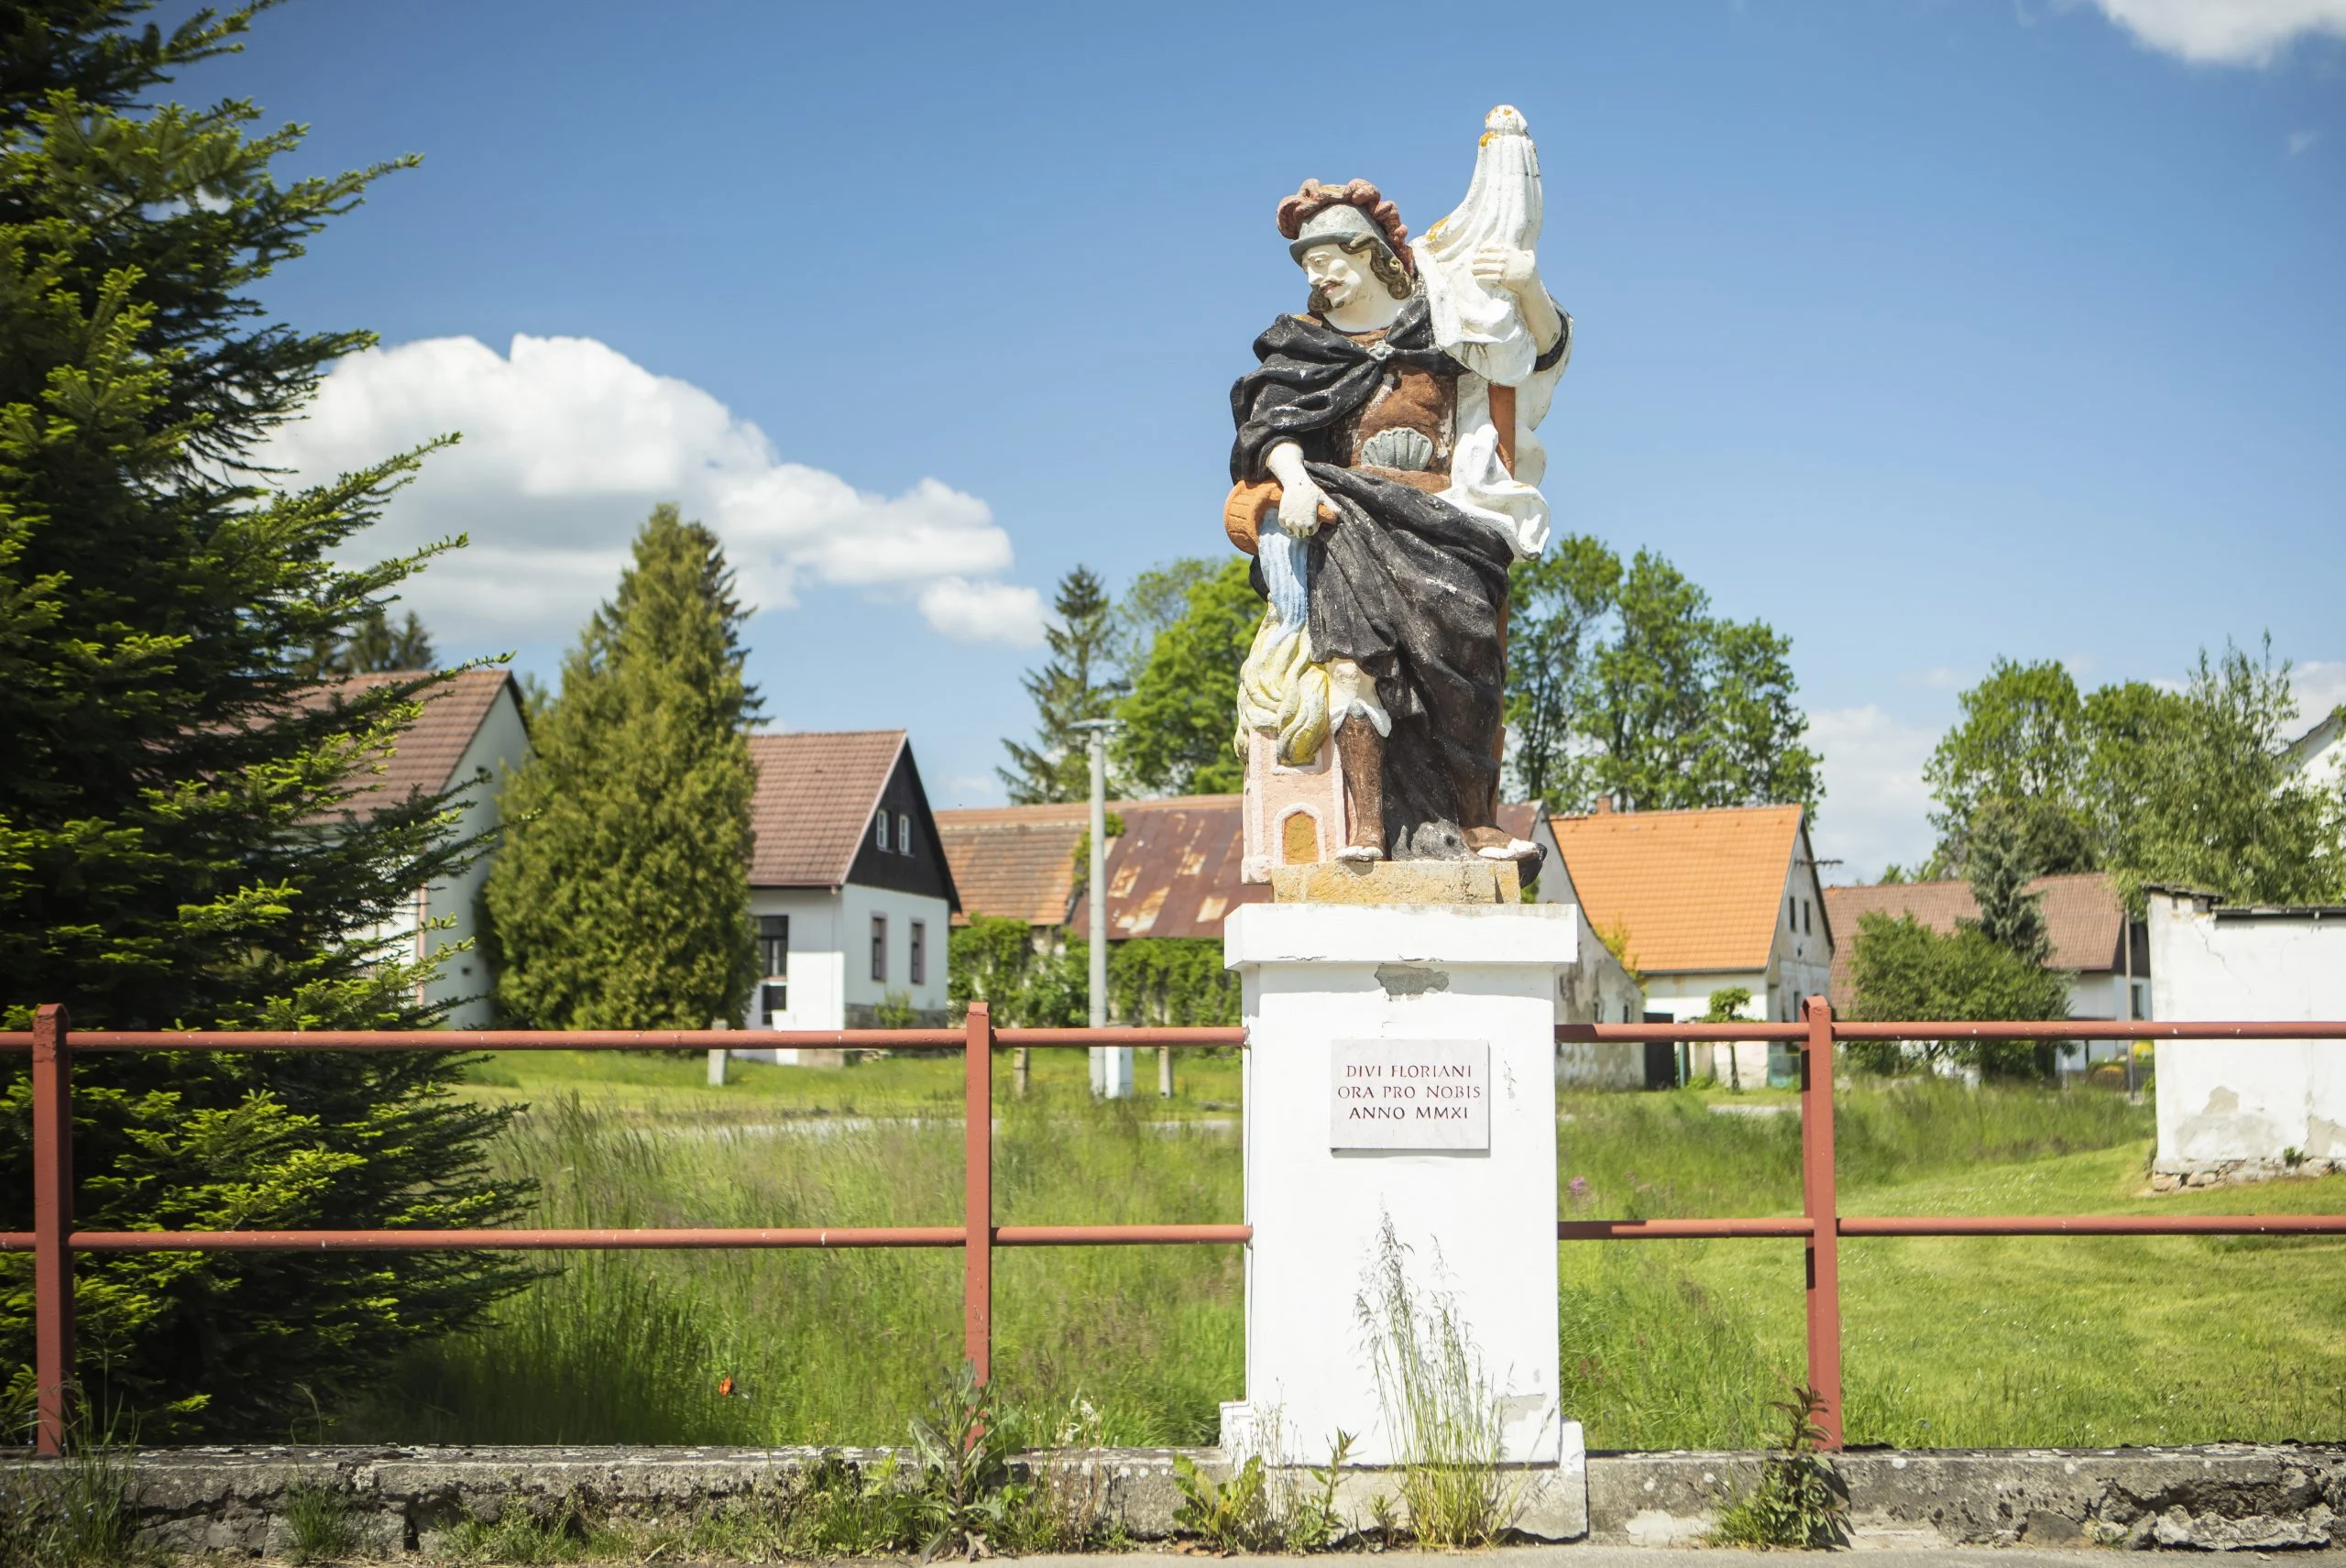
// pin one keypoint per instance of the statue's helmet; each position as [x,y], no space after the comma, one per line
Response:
[1349,215]
[1342,223]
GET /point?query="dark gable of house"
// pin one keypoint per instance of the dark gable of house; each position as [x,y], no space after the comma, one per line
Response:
[922,870]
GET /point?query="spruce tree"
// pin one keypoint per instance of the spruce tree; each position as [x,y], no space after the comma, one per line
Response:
[189,833]
[1074,686]
[622,900]
[2000,872]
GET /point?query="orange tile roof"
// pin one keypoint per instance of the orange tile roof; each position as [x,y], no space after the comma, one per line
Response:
[814,796]
[1697,889]
[2082,915]
[425,760]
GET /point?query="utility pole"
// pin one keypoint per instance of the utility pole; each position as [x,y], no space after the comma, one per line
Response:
[1111,1066]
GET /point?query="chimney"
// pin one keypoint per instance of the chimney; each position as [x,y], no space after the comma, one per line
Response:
[1603,806]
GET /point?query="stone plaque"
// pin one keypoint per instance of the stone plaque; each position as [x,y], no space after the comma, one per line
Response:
[1409,1095]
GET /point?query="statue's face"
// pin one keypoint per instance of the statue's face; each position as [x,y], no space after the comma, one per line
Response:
[1338,276]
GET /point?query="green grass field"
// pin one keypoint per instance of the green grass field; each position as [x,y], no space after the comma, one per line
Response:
[1665,1344]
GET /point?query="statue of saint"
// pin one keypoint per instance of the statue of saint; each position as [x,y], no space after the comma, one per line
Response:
[1385,479]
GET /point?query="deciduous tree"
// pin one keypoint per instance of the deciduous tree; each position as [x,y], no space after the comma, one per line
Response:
[1624,685]
[1181,717]
[1557,601]
[1902,970]
[622,900]
[2022,740]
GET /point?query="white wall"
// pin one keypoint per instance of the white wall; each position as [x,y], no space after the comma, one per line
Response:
[1800,962]
[817,977]
[830,953]
[2223,1104]
[1595,989]
[857,907]
[499,747]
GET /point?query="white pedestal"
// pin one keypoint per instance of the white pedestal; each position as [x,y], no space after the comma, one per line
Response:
[1326,986]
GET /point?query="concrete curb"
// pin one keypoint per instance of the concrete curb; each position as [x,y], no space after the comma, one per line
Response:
[2221,1497]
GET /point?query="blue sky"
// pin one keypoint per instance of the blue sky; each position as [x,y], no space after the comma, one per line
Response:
[1929,331]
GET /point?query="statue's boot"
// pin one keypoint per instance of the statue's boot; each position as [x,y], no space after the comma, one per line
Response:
[1362,751]
[1498,844]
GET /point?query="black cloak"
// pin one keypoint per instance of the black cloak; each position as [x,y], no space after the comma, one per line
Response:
[1406,585]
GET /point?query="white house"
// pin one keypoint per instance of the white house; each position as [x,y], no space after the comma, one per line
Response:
[2318,756]
[471,735]
[1596,990]
[1701,902]
[849,887]
[2231,1108]
[2106,955]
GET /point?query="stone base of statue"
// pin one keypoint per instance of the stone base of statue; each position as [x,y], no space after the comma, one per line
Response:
[1401,1169]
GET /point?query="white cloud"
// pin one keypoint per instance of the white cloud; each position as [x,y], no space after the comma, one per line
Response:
[1877,809]
[985,612]
[2226,32]
[2300,140]
[2318,685]
[568,443]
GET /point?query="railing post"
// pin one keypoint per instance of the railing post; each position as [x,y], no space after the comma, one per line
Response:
[52,1223]
[977,1253]
[1821,1202]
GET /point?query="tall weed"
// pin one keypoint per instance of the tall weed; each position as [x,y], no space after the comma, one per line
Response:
[1439,1405]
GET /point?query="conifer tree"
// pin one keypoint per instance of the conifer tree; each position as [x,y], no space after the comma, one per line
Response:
[190,832]
[2010,915]
[622,900]
[1074,686]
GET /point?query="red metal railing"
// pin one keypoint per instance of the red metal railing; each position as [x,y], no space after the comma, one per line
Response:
[1820,1225]
[53,1242]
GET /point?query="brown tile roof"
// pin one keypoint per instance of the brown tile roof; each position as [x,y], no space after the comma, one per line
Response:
[1697,889]
[2082,915]
[1015,861]
[816,795]
[424,761]
[1172,873]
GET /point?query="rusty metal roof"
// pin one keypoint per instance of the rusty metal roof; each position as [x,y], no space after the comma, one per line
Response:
[1172,873]
[1175,871]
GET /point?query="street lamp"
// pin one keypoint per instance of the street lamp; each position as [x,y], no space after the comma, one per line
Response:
[1111,1066]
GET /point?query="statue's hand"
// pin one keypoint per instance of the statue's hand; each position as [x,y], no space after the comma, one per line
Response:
[1299,503]
[1515,271]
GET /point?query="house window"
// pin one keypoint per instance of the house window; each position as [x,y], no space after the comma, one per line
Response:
[881,829]
[774,960]
[1807,924]
[880,947]
[1792,912]
[917,954]
[904,832]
